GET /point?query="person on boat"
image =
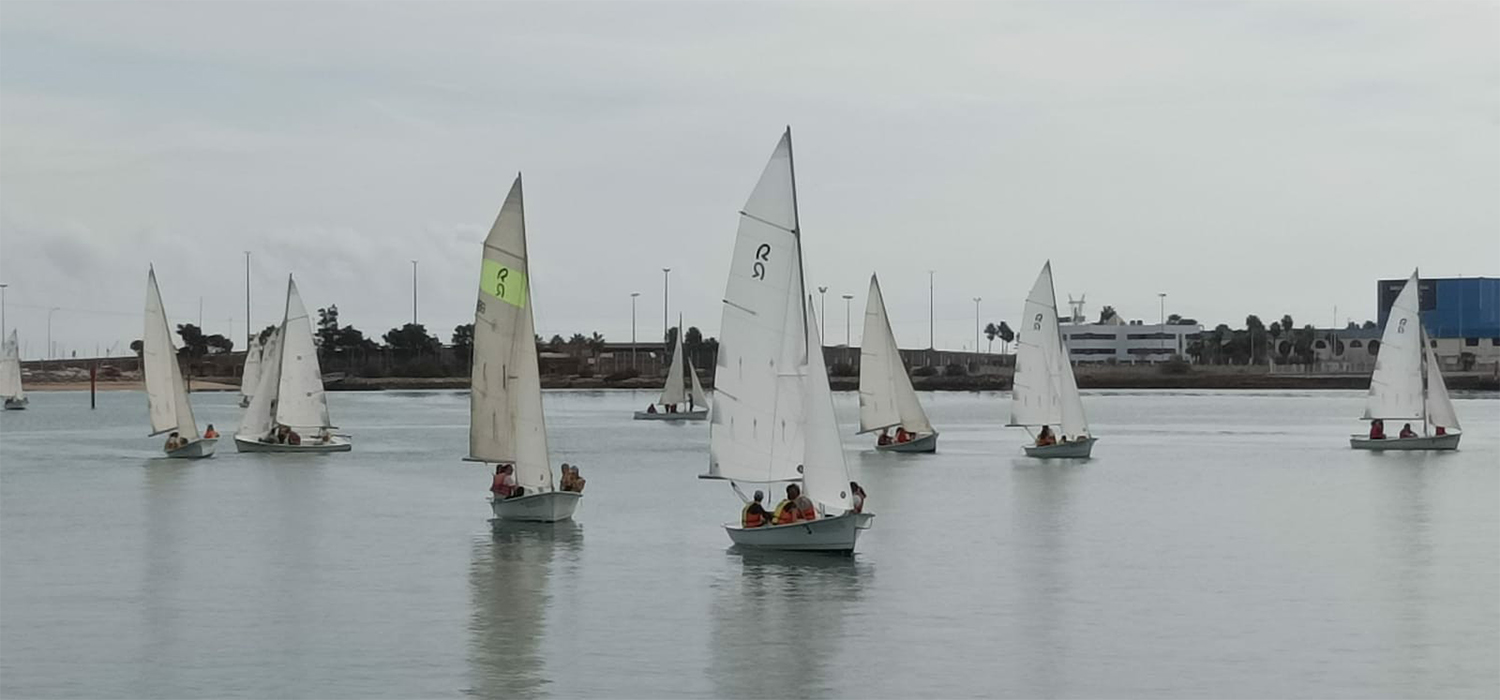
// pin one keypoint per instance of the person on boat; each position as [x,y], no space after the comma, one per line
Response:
[754,514]
[902,435]
[858,496]
[1377,429]
[651,408]
[1045,438]
[578,480]
[173,441]
[292,438]
[885,437]
[210,433]
[566,482]
[1407,432]
[804,505]
[786,510]
[1441,431]
[504,484]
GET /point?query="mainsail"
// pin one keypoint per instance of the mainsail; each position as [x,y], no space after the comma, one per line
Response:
[251,376]
[699,399]
[1396,386]
[673,392]
[300,402]
[756,427]
[886,396]
[257,421]
[506,423]
[166,393]
[10,369]
[1044,391]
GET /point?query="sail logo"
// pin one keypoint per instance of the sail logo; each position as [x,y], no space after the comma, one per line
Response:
[1401,327]
[762,256]
[504,283]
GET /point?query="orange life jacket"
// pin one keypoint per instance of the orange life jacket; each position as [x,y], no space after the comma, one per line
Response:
[786,512]
[749,519]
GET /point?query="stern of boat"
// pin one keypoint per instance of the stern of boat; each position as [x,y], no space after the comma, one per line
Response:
[545,507]
[925,443]
[1398,444]
[835,534]
[1078,449]
[197,449]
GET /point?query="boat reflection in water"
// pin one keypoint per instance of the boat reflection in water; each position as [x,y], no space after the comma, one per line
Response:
[509,585]
[779,623]
[1041,520]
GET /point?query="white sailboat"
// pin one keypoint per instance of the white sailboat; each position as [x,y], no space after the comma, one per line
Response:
[1044,393]
[251,376]
[10,375]
[166,393]
[1407,385]
[506,423]
[773,417]
[886,397]
[674,395]
[290,392]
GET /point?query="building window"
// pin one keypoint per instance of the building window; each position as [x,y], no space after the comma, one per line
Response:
[1434,342]
[1356,344]
[1151,336]
[1494,342]
[1471,342]
[1092,336]
[1320,345]
[1092,351]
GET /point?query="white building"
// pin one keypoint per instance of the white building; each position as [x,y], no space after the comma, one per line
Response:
[1127,343]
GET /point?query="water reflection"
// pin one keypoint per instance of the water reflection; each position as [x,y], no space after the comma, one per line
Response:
[163,500]
[508,582]
[1042,520]
[1404,524]
[779,621]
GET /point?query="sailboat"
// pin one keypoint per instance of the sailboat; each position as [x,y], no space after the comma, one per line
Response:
[1044,392]
[506,423]
[674,394]
[290,391]
[886,397]
[10,375]
[166,393]
[773,417]
[1407,385]
[251,376]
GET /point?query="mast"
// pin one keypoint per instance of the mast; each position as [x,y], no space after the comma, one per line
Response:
[791,166]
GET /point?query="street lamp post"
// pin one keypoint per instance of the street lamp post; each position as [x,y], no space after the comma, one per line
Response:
[976,324]
[413,292]
[823,313]
[847,338]
[666,293]
[2,311]
[249,333]
[931,336]
[633,295]
[49,331]
[1162,297]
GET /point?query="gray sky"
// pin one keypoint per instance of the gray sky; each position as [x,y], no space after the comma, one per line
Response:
[1259,157]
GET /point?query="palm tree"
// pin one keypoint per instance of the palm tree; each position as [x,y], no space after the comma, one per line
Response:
[992,331]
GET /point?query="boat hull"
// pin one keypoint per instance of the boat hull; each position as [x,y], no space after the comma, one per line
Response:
[835,534]
[339,443]
[925,443]
[197,449]
[16,404]
[1430,442]
[687,415]
[546,507]
[1078,449]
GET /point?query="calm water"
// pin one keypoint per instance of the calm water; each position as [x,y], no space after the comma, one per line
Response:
[1221,544]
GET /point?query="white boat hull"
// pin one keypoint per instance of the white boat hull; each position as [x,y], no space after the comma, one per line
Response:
[16,404]
[197,449]
[1078,449]
[835,534]
[925,443]
[338,443]
[546,507]
[659,415]
[1430,442]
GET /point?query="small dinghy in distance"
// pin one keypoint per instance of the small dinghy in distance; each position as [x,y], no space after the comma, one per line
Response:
[674,394]
[10,375]
[1408,385]
[506,422]
[1044,392]
[290,393]
[886,396]
[166,392]
[772,418]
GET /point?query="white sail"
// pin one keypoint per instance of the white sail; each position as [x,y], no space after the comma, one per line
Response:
[700,400]
[1396,386]
[886,396]
[755,433]
[506,423]
[10,369]
[825,477]
[673,392]
[300,402]
[166,393]
[251,376]
[1440,411]
[259,416]
[1044,390]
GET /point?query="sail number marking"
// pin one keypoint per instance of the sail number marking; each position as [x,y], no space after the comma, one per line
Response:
[762,256]
[504,283]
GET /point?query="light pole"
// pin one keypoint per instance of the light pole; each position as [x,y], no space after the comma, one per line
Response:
[1162,297]
[633,295]
[666,292]
[413,292]
[2,311]
[49,331]
[823,313]
[976,324]
[248,332]
[847,339]
[931,341]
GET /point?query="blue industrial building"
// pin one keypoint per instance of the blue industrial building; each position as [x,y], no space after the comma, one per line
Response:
[1452,307]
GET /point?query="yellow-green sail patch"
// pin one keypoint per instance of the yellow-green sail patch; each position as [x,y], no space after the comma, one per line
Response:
[505,283]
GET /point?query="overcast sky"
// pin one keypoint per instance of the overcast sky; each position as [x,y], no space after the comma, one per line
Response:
[1259,157]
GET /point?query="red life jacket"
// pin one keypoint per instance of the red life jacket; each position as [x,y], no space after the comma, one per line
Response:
[786,513]
[752,519]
